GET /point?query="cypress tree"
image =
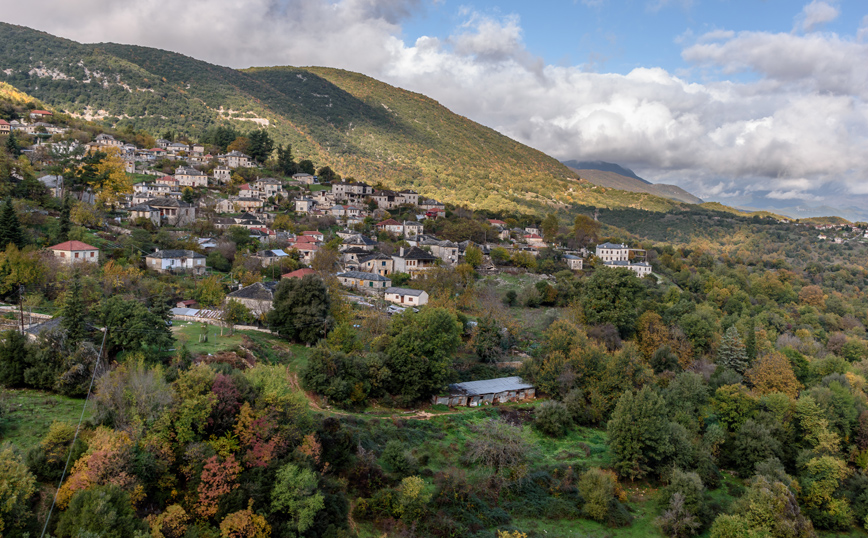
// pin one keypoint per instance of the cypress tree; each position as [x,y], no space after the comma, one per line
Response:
[12,145]
[63,233]
[74,319]
[10,228]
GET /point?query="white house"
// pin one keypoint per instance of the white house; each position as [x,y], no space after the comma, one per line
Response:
[190,177]
[640,268]
[610,252]
[575,263]
[75,251]
[170,261]
[406,296]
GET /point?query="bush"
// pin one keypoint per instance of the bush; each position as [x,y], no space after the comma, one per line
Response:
[552,418]
[399,460]
[598,489]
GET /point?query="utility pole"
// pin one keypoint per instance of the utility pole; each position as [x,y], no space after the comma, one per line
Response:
[21,305]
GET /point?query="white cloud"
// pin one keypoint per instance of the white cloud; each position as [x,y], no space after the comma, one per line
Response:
[798,130]
[815,14]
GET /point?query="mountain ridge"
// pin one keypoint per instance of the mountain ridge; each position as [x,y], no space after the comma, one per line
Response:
[360,126]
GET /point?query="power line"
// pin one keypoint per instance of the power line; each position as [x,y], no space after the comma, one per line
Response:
[75,437]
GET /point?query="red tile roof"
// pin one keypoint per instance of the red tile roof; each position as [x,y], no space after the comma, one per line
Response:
[299,273]
[72,245]
[43,112]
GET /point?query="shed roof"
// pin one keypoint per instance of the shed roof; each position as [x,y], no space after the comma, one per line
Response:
[489,386]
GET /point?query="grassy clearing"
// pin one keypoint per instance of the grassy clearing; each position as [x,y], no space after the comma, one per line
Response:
[317,187]
[265,346]
[31,412]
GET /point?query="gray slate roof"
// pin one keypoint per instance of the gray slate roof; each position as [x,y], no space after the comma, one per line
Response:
[163,254]
[361,275]
[257,291]
[416,253]
[489,386]
[405,291]
[612,246]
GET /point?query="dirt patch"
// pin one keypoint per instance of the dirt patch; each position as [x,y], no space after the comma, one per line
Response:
[515,417]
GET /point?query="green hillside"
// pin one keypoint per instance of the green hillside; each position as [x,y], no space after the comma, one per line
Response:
[359,126]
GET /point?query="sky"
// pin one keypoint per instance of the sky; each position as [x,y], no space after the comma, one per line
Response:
[760,103]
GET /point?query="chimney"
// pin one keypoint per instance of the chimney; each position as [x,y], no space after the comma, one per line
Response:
[401,253]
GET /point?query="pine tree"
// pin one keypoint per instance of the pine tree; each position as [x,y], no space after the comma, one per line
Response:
[10,228]
[732,354]
[12,145]
[63,232]
[74,317]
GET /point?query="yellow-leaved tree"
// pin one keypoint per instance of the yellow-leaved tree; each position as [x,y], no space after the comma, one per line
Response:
[114,181]
[774,373]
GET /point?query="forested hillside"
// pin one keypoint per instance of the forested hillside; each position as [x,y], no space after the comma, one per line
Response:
[372,131]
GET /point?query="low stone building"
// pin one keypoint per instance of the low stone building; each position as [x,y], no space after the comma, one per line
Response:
[406,296]
[176,261]
[487,391]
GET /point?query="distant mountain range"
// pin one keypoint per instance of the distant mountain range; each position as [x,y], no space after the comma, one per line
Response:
[615,176]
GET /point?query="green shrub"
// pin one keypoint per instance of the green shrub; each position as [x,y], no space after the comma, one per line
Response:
[552,418]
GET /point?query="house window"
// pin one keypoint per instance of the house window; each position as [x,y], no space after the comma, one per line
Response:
[91,254]
[76,254]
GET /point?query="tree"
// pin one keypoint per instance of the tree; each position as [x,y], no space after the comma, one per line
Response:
[326,174]
[473,256]
[235,313]
[768,508]
[112,179]
[750,342]
[14,352]
[260,146]
[73,315]
[552,418]
[499,255]
[64,223]
[295,496]
[585,230]
[301,309]
[245,524]
[306,166]
[218,478]
[549,228]
[285,162]
[209,291]
[773,373]
[132,326]
[638,433]
[598,489]
[10,227]
[611,296]
[17,485]
[488,340]
[104,511]
[12,145]
[420,351]
[732,354]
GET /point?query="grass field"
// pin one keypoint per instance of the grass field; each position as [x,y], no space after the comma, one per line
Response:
[265,346]
[31,412]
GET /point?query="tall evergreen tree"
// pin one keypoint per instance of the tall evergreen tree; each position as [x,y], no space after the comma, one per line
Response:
[10,228]
[285,161]
[63,232]
[12,145]
[732,353]
[750,342]
[74,317]
[261,145]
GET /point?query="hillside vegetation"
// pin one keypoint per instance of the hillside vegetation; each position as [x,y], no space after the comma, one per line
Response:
[361,127]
